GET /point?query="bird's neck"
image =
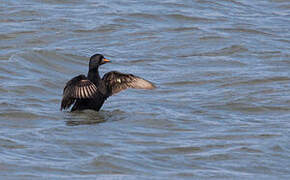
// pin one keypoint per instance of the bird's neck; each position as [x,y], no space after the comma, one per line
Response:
[93,76]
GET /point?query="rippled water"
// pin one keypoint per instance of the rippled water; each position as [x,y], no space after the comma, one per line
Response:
[221,109]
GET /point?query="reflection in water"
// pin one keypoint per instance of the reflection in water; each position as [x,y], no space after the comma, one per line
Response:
[88,117]
[84,118]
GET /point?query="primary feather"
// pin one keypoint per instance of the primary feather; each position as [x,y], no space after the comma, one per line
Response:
[116,82]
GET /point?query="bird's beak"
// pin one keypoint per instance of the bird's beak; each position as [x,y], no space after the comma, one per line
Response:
[106,60]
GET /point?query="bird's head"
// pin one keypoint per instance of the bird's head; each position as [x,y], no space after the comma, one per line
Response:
[97,60]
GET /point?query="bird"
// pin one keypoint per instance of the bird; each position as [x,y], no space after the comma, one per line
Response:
[91,91]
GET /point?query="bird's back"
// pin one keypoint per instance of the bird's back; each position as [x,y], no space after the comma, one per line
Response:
[93,103]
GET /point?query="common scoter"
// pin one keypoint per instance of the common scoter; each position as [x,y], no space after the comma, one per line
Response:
[90,92]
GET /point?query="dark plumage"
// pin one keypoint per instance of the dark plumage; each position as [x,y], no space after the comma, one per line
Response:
[91,92]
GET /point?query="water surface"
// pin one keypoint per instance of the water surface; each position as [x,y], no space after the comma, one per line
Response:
[221,109]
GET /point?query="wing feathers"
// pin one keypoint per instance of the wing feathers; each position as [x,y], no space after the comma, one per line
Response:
[86,94]
[116,82]
[140,83]
[81,88]
[77,88]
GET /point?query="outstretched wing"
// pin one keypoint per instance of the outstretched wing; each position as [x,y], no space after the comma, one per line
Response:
[116,82]
[78,87]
